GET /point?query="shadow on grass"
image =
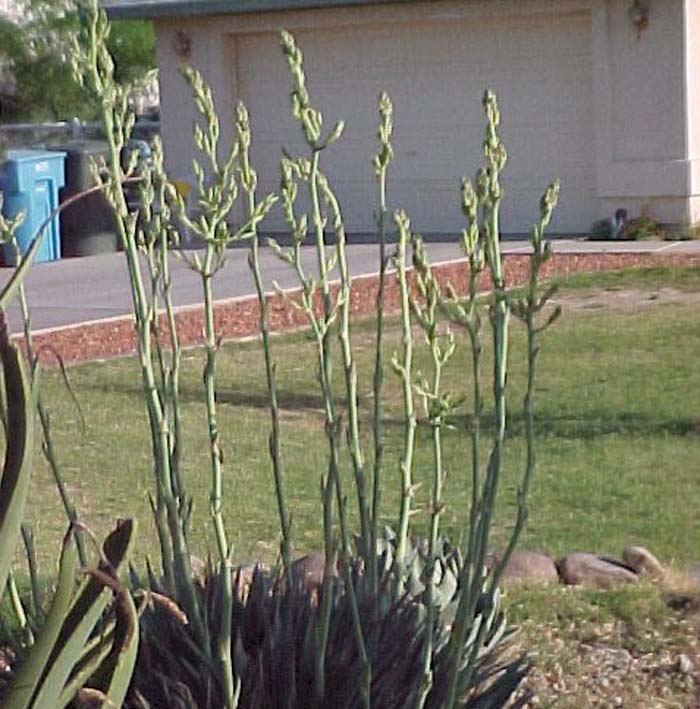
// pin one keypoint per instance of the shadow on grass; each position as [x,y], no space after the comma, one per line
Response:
[585,425]
[288,399]
[590,424]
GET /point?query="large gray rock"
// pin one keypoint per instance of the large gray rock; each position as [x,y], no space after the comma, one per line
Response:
[581,568]
[526,567]
[643,561]
[308,571]
[243,577]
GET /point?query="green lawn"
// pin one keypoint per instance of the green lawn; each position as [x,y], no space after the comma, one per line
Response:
[618,417]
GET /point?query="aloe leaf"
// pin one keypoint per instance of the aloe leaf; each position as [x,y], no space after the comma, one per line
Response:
[21,404]
[24,683]
[93,656]
[114,675]
[82,618]
[127,646]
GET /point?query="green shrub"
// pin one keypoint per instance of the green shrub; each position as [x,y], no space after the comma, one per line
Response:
[641,228]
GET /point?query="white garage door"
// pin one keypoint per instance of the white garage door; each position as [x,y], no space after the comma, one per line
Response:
[436,73]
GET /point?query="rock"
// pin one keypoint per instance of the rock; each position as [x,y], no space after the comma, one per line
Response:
[243,578]
[199,569]
[526,567]
[683,665]
[243,575]
[308,571]
[580,568]
[642,560]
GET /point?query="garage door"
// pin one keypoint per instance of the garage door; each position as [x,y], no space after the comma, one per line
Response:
[436,73]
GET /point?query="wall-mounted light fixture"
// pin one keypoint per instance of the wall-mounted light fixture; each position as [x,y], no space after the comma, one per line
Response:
[639,15]
[183,45]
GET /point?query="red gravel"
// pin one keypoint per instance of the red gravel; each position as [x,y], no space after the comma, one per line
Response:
[238,317]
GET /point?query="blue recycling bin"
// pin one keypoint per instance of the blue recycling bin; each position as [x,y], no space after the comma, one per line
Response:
[30,181]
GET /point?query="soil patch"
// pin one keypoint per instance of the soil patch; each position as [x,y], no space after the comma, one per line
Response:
[625,298]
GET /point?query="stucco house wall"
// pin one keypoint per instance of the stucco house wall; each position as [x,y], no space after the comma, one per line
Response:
[613,113]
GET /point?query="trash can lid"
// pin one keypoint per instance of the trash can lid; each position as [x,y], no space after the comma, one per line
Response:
[31,155]
[83,147]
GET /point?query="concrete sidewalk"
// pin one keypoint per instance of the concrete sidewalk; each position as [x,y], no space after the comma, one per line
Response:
[82,290]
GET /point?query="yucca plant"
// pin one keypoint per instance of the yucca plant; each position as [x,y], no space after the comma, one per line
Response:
[406,622]
[275,647]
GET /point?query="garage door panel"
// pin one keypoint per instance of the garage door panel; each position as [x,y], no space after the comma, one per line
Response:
[436,73]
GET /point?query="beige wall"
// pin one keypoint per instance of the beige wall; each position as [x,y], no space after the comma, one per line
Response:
[644,140]
[692,70]
[642,148]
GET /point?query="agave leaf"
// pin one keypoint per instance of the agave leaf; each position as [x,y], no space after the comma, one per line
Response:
[24,684]
[82,618]
[21,405]
[504,687]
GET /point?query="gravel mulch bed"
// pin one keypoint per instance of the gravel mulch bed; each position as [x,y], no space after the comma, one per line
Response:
[238,318]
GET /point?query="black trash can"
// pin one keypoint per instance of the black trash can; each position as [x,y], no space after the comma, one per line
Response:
[88,225]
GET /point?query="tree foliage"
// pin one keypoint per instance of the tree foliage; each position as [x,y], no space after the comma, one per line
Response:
[36,83]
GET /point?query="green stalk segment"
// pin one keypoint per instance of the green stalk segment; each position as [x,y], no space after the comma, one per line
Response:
[381,162]
[310,121]
[249,182]
[437,407]
[404,368]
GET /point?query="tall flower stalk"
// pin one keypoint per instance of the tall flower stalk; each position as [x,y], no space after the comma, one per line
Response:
[156,237]
[527,309]
[403,366]
[332,311]
[480,243]
[93,67]
[248,184]
[486,237]
[438,405]
[381,164]
[217,191]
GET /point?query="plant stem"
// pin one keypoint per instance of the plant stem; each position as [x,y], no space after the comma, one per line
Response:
[381,162]
[377,384]
[436,510]
[248,179]
[491,196]
[468,572]
[349,368]
[224,640]
[92,64]
[404,369]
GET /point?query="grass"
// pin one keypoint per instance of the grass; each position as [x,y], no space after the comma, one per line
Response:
[617,454]
[618,420]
